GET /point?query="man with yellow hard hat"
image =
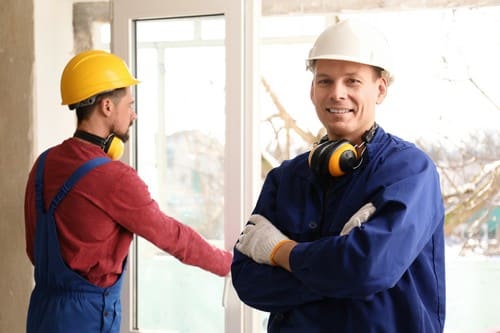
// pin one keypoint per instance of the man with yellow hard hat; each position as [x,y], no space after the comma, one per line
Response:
[83,206]
[348,237]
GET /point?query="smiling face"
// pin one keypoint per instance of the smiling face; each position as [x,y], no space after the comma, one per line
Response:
[345,95]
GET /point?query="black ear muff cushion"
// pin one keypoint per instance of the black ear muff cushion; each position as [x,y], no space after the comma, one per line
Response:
[320,156]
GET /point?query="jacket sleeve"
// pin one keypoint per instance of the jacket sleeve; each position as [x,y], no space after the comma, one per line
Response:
[264,287]
[268,288]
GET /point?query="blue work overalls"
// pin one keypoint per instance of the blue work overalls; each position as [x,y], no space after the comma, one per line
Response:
[62,300]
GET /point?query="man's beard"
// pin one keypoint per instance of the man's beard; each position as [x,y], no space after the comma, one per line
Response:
[124,136]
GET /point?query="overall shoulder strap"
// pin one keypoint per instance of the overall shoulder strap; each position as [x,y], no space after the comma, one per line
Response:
[39,181]
[75,177]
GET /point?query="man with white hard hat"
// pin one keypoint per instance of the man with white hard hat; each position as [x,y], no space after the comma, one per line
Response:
[349,236]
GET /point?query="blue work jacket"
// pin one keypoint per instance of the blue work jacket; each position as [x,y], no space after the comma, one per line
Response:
[386,276]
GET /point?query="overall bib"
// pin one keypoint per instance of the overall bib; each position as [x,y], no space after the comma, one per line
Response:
[63,301]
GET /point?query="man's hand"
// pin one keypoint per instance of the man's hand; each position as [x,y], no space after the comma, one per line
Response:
[260,240]
[360,217]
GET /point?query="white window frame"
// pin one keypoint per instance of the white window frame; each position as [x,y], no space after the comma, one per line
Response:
[242,154]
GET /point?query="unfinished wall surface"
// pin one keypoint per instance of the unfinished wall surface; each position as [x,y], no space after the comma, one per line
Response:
[84,15]
[16,85]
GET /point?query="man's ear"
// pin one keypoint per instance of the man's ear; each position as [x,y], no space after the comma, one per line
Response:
[106,106]
[382,89]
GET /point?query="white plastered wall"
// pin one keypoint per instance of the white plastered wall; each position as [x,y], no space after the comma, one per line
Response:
[53,48]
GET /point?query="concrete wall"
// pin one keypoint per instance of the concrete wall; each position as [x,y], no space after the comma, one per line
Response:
[16,145]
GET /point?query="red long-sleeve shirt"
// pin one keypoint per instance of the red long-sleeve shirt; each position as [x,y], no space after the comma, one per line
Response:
[97,219]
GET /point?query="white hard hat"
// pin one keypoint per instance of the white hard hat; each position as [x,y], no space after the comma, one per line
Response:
[352,40]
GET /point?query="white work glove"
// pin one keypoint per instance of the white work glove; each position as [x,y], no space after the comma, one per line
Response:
[259,239]
[360,217]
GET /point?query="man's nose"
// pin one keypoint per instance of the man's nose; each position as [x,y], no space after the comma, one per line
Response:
[338,91]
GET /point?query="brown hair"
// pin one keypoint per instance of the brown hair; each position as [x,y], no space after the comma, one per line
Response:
[84,112]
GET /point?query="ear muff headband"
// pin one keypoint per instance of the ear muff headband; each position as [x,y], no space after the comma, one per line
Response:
[112,145]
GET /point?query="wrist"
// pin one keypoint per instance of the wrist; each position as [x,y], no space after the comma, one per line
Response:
[280,255]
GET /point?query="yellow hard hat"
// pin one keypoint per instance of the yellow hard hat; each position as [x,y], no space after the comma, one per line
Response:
[92,72]
[352,40]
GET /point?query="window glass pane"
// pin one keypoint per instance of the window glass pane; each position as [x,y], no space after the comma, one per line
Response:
[180,155]
[212,29]
[165,31]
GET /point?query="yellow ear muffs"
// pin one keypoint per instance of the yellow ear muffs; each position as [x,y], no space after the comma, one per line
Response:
[343,159]
[114,147]
[333,158]
[336,158]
